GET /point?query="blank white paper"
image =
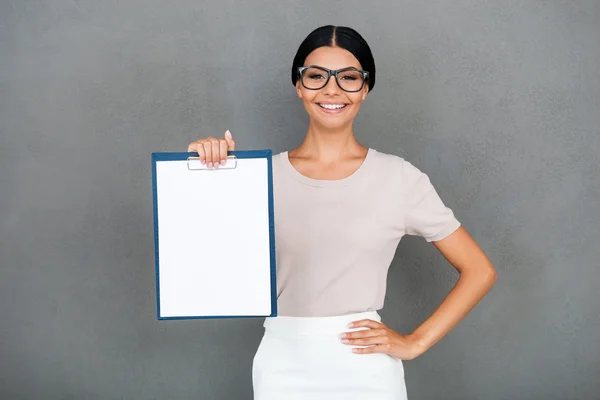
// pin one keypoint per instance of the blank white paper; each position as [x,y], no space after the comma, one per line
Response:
[213,240]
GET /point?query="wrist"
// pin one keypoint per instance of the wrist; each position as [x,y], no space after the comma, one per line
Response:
[418,344]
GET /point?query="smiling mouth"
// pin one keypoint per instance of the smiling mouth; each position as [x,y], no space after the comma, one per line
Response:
[332,107]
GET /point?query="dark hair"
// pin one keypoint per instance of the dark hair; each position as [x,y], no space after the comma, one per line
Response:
[341,36]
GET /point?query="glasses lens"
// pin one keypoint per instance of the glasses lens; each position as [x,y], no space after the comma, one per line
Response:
[314,78]
[351,81]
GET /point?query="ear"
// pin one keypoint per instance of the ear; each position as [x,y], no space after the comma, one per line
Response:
[298,90]
[365,91]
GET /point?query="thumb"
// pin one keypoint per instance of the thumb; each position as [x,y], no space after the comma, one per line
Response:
[230,141]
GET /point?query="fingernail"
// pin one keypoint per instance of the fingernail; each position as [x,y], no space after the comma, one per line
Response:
[210,165]
[203,162]
[227,132]
[345,341]
[343,335]
[350,325]
[223,162]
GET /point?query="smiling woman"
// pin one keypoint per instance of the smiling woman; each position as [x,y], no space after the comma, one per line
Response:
[337,52]
[340,211]
[340,96]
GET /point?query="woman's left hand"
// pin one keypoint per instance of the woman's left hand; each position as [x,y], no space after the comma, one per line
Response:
[381,339]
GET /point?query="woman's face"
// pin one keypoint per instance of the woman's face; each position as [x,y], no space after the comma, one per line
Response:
[331,96]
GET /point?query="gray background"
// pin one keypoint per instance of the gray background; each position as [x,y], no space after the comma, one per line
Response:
[497,101]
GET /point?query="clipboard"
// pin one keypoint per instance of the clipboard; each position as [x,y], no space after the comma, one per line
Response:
[214,236]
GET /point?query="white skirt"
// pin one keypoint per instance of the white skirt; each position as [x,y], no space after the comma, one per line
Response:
[303,358]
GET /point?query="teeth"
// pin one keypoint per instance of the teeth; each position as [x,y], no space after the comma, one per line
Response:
[332,106]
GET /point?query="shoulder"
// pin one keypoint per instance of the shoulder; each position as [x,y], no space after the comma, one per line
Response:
[279,158]
[394,164]
[282,169]
[382,159]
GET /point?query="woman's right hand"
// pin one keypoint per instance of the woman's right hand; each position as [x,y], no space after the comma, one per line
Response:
[213,151]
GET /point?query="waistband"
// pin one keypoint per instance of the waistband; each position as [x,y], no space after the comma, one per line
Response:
[303,326]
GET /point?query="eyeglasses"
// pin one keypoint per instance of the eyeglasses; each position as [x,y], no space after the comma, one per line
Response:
[348,79]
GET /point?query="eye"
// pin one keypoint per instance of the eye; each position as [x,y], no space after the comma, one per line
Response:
[350,75]
[316,76]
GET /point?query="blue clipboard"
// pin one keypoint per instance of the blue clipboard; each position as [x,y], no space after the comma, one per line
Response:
[178,181]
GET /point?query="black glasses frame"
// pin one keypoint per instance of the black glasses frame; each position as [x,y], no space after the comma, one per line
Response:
[335,73]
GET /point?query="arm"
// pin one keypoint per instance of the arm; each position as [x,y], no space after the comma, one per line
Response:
[428,217]
[477,276]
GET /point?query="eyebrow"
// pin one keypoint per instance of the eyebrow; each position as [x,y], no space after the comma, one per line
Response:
[320,66]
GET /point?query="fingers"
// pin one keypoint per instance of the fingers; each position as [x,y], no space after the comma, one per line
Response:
[380,348]
[208,151]
[223,151]
[370,337]
[192,147]
[369,323]
[363,334]
[378,339]
[198,147]
[230,141]
[213,151]
[368,341]
[377,335]
[201,152]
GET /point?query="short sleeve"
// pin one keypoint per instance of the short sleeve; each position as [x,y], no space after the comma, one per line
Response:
[425,214]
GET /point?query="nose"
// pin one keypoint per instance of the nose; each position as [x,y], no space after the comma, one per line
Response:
[332,87]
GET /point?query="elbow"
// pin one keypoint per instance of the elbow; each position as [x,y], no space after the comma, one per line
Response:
[489,275]
[483,275]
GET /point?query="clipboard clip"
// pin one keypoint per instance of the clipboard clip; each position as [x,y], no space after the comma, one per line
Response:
[194,164]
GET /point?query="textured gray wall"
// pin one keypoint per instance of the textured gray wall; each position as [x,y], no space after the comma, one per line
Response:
[497,101]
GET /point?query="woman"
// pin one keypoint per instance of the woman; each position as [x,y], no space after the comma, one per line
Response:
[340,211]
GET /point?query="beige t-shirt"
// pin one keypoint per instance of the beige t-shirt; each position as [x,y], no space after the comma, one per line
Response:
[335,239]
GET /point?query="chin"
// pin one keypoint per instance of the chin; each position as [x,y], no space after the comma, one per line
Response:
[331,124]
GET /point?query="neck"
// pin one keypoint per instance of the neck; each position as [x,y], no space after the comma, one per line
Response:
[328,145]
